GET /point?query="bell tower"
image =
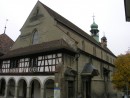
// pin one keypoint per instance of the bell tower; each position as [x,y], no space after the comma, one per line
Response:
[94,30]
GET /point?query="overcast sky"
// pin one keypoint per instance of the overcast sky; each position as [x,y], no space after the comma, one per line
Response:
[109,15]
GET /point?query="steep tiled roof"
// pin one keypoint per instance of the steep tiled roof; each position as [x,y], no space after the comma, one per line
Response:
[73,27]
[5,43]
[40,48]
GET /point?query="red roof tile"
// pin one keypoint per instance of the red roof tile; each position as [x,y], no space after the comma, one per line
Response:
[5,43]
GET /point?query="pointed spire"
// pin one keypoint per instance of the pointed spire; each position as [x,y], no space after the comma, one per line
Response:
[93,18]
[5,26]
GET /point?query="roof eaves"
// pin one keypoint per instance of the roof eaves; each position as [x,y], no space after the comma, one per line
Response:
[39,48]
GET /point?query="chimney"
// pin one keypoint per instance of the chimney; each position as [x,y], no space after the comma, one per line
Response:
[104,41]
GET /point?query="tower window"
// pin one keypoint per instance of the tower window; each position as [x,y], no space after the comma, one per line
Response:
[83,45]
[94,51]
[35,39]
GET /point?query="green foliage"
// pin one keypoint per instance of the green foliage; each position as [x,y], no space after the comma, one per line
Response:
[121,76]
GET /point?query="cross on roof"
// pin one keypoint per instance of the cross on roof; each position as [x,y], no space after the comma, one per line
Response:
[93,18]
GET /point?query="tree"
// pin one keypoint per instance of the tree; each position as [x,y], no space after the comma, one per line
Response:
[121,76]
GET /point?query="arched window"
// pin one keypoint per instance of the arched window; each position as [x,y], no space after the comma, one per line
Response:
[35,39]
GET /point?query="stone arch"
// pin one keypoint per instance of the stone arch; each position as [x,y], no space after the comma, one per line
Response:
[48,79]
[35,78]
[2,86]
[4,79]
[49,88]
[11,87]
[35,88]
[10,79]
[23,78]
[22,88]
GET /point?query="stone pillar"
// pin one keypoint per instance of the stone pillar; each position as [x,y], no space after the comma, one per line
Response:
[6,89]
[42,92]
[16,92]
[28,92]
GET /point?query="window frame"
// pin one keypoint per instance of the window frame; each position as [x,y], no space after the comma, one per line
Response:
[35,37]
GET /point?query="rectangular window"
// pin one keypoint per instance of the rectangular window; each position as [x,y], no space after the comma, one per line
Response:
[106,73]
[23,65]
[14,63]
[94,51]
[11,63]
[6,66]
[48,63]
[110,60]
[33,62]
[107,58]
[101,69]
[44,63]
[101,55]
[83,45]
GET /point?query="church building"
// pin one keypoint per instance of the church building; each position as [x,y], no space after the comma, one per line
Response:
[53,58]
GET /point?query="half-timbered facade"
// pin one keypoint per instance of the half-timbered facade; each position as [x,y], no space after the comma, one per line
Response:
[52,57]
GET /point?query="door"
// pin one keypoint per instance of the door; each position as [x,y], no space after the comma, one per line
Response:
[70,89]
[88,88]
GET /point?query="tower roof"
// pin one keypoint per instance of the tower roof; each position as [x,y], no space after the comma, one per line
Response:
[104,38]
[94,25]
[5,43]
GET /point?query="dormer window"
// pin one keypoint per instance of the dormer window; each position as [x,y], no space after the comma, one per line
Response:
[35,39]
